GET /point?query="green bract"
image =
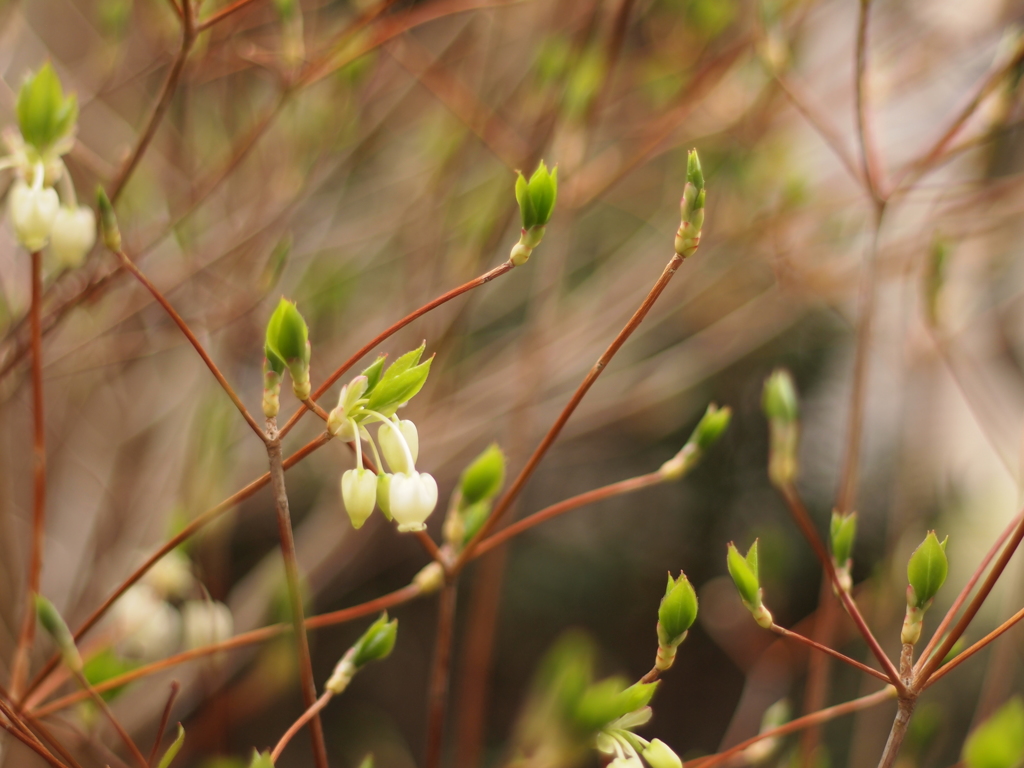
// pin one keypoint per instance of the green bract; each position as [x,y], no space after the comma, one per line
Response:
[287,336]
[57,628]
[778,399]
[536,197]
[843,531]
[711,426]
[694,173]
[261,760]
[999,741]
[376,642]
[927,569]
[483,479]
[744,573]
[398,384]
[678,610]
[45,115]
[172,751]
[608,700]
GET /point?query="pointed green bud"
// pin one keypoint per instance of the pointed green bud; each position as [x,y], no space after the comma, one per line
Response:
[744,572]
[778,398]
[691,208]
[843,532]
[536,199]
[287,342]
[711,426]
[483,478]
[607,701]
[45,115]
[109,231]
[677,612]
[377,641]
[56,627]
[927,570]
[173,750]
[658,754]
[999,741]
[403,379]
[261,760]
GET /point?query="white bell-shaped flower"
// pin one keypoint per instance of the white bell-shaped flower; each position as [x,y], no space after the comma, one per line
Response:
[32,211]
[205,622]
[359,493]
[147,627]
[171,575]
[393,448]
[413,497]
[658,754]
[73,235]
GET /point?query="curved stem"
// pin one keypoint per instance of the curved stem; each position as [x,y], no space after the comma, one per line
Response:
[312,711]
[783,632]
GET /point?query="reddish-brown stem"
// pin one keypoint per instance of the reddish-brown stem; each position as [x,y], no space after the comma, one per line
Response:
[430,546]
[222,14]
[921,678]
[390,331]
[207,517]
[165,718]
[437,700]
[517,485]
[35,559]
[966,591]
[831,652]
[163,102]
[574,502]
[793,726]
[53,742]
[390,600]
[292,578]
[803,521]
[964,655]
[32,744]
[23,733]
[101,703]
[869,154]
[183,326]
[312,711]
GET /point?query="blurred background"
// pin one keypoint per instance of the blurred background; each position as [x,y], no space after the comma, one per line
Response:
[358,156]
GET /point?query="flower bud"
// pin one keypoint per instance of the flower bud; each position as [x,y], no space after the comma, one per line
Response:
[359,494]
[779,402]
[927,569]
[659,755]
[45,116]
[482,480]
[339,420]
[413,497]
[146,627]
[430,579]
[32,211]
[744,572]
[377,641]
[678,610]
[205,622]
[393,445]
[261,760]
[710,427]
[536,199]
[73,235]
[843,532]
[109,230]
[171,575]
[691,208]
[55,625]
[288,340]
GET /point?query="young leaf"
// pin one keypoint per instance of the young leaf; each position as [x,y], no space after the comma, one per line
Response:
[927,569]
[999,741]
[743,575]
[483,479]
[172,751]
[678,609]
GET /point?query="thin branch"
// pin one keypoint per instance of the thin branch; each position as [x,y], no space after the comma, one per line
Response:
[164,720]
[312,711]
[440,674]
[793,726]
[163,302]
[291,571]
[33,744]
[803,521]
[782,631]
[869,153]
[964,655]
[222,14]
[35,563]
[390,331]
[510,495]
[100,702]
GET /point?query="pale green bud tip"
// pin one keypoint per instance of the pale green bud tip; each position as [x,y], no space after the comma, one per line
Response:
[843,531]
[483,479]
[537,196]
[744,572]
[57,628]
[45,115]
[778,399]
[287,334]
[109,230]
[376,643]
[711,426]
[678,610]
[694,173]
[261,760]
[659,755]
[927,570]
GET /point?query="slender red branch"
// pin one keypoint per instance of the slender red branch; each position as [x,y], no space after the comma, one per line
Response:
[32,744]
[390,331]
[964,655]
[35,562]
[782,631]
[164,720]
[512,493]
[183,326]
[440,674]
[100,702]
[311,712]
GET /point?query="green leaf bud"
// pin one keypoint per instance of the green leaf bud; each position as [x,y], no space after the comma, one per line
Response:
[174,749]
[711,426]
[608,700]
[399,383]
[536,199]
[109,231]
[677,612]
[778,398]
[926,570]
[999,741]
[56,627]
[744,572]
[659,755]
[691,208]
[287,332]
[483,478]
[843,532]
[377,641]
[45,115]
[261,760]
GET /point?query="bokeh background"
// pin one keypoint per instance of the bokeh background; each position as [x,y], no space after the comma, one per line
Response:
[385,177]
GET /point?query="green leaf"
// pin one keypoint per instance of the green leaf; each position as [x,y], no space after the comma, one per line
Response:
[373,373]
[927,569]
[377,641]
[744,576]
[104,666]
[261,760]
[694,173]
[526,210]
[473,518]
[678,609]
[405,362]
[608,700]
[393,391]
[172,750]
[287,333]
[44,114]
[482,479]
[999,741]
[711,426]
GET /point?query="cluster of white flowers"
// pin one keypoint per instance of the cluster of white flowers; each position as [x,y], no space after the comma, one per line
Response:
[626,748]
[146,625]
[41,201]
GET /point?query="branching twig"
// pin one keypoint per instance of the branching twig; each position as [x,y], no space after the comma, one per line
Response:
[782,631]
[312,711]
